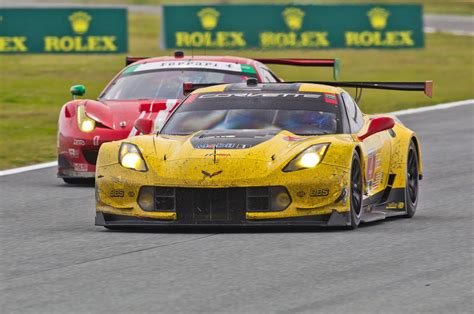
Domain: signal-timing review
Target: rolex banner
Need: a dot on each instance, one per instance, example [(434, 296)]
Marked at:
[(74, 30), (292, 26)]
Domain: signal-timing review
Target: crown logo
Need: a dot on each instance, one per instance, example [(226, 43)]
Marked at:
[(209, 18), (80, 22), (378, 18), (293, 18)]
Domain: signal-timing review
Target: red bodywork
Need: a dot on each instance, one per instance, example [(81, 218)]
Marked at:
[(77, 150)]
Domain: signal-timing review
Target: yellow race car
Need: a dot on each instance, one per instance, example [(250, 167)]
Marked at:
[(263, 154)]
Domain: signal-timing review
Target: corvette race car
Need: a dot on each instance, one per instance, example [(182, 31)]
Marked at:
[(146, 88), (263, 154)]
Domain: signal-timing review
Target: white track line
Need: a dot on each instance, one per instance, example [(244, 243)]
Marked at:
[(396, 113), (28, 168), (433, 108)]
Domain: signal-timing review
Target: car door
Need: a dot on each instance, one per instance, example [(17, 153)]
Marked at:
[(376, 149)]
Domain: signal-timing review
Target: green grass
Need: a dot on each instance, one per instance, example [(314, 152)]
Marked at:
[(34, 87), (464, 7)]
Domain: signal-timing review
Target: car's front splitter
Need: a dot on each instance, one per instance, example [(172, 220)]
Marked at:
[(335, 219)]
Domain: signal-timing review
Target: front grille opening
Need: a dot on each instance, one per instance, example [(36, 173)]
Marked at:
[(91, 156), (213, 204), (165, 199), (257, 204)]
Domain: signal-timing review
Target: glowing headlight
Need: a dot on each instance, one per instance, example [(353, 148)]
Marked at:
[(131, 158), (84, 123), (309, 158)]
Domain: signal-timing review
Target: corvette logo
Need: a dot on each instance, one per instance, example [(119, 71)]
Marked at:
[(210, 175)]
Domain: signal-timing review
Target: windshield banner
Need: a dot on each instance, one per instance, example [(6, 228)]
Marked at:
[(292, 26), (75, 30)]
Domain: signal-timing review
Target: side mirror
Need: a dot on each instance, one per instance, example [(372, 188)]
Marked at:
[(77, 90), (377, 125), (144, 126)]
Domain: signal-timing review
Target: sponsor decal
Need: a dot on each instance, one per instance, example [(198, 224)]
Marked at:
[(13, 44), (394, 205), (78, 142), (374, 175), (319, 192), (217, 155), (80, 167), (222, 146), (301, 193), (116, 193), (190, 64), (80, 22), (293, 138), (209, 19), (377, 179), (246, 69), (95, 140), (330, 99), (293, 19), (263, 95), (370, 166), (210, 175), (378, 18), (63, 30), (294, 26), (74, 153)]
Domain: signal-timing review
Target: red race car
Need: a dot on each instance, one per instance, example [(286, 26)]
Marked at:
[(146, 88)]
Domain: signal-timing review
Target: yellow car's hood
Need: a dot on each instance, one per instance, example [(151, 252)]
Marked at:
[(208, 158)]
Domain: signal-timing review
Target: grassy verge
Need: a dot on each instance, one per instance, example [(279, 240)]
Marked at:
[(34, 87), (464, 7)]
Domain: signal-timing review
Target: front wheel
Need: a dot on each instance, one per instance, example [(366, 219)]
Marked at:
[(411, 185), (356, 191)]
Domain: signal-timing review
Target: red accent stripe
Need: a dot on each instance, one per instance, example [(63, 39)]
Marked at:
[(298, 62)]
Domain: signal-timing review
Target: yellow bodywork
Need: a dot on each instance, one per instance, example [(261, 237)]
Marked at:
[(173, 162)]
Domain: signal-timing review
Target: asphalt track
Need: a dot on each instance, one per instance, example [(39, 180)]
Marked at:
[(54, 260)]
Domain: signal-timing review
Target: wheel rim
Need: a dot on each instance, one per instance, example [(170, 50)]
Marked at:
[(356, 188), (412, 177)]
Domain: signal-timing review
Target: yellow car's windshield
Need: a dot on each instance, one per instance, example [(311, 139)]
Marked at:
[(303, 114)]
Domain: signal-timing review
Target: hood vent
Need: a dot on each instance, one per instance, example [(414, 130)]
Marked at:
[(231, 139)]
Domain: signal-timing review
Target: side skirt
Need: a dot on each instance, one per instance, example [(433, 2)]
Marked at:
[(387, 203)]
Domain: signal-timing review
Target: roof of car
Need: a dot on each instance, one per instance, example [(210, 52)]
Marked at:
[(271, 87), (229, 59)]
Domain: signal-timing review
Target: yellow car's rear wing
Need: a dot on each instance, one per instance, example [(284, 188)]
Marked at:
[(426, 87)]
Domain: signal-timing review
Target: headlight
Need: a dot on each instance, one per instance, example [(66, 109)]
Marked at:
[(309, 158), (131, 158), (84, 123)]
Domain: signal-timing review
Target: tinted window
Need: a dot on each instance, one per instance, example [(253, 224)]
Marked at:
[(166, 84), (300, 113), (267, 76), (353, 112)]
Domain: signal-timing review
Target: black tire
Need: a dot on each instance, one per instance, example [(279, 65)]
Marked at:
[(355, 191), (88, 181), (412, 180)]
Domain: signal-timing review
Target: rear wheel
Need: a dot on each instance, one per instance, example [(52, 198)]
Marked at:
[(355, 191), (412, 177), (88, 181)]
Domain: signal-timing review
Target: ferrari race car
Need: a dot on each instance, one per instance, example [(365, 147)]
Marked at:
[(146, 88), (263, 154)]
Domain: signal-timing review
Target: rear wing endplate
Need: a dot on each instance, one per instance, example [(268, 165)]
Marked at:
[(130, 60)]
